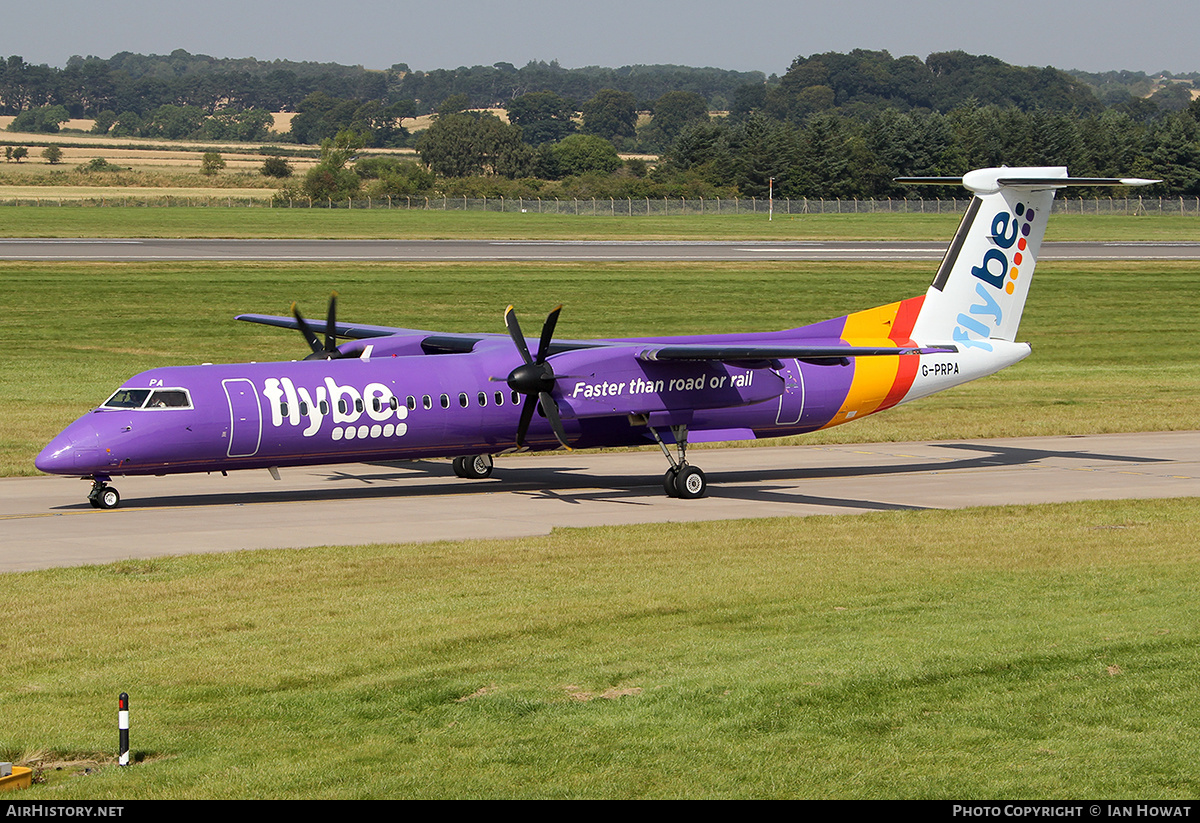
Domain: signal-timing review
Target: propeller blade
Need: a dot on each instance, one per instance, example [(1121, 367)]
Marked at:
[(309, 336), (551, 410), (514, 331), (331, 327), (526, 417), (548, 333)]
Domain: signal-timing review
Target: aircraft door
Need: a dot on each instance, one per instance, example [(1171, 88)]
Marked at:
[(245, 417), (791, 402)]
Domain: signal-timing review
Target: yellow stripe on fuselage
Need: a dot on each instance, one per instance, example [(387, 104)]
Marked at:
[(873, 376)]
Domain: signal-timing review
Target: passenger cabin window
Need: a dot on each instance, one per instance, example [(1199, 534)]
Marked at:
[(445, 401), (483, 398), (462, 400)]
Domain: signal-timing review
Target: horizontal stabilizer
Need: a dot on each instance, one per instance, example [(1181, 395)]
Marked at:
[(990, 181)]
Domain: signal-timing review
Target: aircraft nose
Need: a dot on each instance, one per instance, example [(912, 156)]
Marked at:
[(75, 450)]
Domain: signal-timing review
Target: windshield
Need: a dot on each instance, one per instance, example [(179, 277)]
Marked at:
[(158, 399), (127, 399)]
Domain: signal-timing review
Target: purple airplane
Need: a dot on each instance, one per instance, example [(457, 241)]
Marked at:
[(394, 394)]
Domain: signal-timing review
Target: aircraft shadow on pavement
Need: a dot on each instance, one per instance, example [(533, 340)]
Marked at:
[(570, 484)]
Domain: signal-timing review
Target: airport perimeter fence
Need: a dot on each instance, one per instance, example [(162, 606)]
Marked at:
[(628, 207)]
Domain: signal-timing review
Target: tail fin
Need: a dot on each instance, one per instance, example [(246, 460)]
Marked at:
[(980, 288)]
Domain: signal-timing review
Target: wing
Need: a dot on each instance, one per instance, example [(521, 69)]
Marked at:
[(752, 353), (431, 342)]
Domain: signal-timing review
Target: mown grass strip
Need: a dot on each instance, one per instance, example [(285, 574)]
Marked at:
[(382, 223), (1017, 652)]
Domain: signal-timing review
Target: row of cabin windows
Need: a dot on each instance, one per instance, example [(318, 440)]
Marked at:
[(464, 400), (393, 403)]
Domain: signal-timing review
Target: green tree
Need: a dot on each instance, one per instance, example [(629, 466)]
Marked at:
[(464, 145), (454, 104), (583, 153), (19, 153), (41, 119), (276, 167), (211, 163), (53, 154), (544, 117), (104, 121), (330, 180), (611, 114), (674, 112)]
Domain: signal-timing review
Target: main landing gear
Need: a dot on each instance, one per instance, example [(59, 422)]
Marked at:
[(473, 467), (682, 480), (102, 495)]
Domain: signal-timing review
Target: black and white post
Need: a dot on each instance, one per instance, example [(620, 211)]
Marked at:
[(123, 726)]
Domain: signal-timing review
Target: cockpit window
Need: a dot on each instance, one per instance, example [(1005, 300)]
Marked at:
[(149, 399), (169, 399), (127, 399)]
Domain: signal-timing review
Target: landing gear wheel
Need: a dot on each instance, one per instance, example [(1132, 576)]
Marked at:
[(473, 467), (669, 480), (690, 484), (104, 497), (479, 466)]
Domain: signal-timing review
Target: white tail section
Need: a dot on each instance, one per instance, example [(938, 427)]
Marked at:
[(981, 286), (980, 289)]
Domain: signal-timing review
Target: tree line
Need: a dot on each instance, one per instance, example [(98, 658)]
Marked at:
[(141, 83), (834, 125)]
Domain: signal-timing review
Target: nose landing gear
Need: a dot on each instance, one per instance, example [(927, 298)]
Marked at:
[(102, 495)]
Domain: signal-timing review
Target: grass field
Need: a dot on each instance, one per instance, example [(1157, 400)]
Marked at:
[(1013, 652), (1115, 344), (1017, 652), (381, 223)]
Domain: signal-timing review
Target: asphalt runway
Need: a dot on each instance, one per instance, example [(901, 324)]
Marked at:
[(46, 521), (133, 250)]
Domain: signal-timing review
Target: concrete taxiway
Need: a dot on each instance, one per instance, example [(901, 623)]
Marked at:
[(46, 521)]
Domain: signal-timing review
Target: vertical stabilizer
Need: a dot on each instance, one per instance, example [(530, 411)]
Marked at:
[(980, 289)]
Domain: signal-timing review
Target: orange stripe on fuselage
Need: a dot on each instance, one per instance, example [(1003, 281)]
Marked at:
[(879, 382)]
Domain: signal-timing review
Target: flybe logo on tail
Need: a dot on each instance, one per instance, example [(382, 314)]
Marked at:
[(1000, 269)]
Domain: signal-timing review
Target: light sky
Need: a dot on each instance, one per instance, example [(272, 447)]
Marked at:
[(763, 35)]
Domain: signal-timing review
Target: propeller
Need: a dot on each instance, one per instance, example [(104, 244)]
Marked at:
[(535, 377), (328, 351)]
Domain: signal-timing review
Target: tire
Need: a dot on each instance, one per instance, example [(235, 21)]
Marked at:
[(479, 466), (669, 480), (691, 483), (108, 498), (460, 467)]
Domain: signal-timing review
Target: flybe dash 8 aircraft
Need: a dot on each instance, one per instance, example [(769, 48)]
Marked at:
[(397, 394)]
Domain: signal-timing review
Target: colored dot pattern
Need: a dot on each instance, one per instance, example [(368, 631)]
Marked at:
[(1027, 216)]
